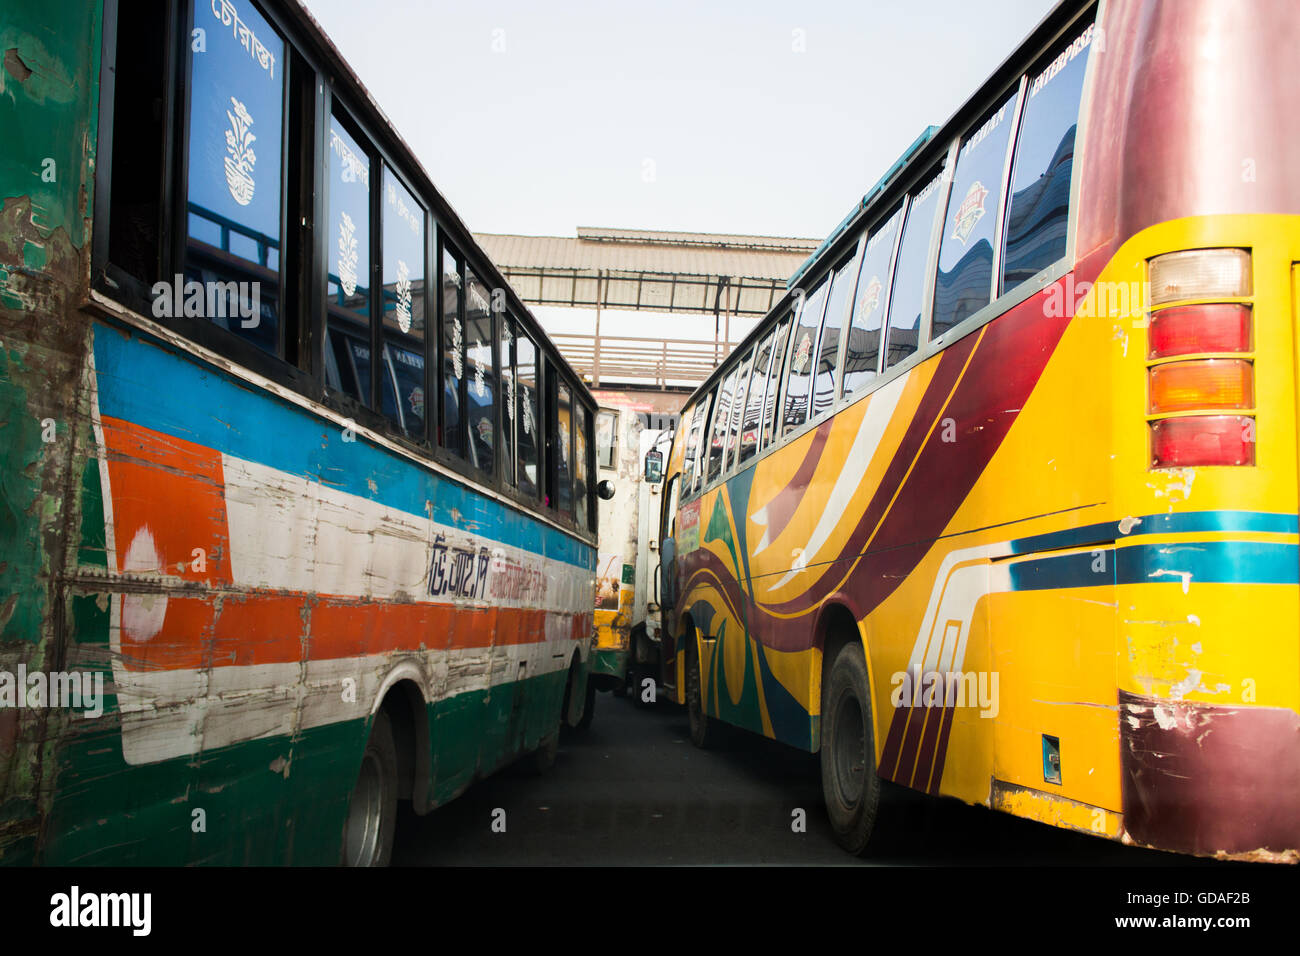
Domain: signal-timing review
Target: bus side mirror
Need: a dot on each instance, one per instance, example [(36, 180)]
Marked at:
[(605, 490), (654, 466)]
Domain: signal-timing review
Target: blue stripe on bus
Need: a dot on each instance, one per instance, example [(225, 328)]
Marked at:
[(1201, 562), (157, 389), (1192, 522)]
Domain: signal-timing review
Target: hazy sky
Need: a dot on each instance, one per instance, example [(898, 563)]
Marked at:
[(754, 117)]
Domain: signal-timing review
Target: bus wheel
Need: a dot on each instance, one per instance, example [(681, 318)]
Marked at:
[(589, 708), (850, 785), (641, 672), (704, 730), (543, 758), (372, 809)]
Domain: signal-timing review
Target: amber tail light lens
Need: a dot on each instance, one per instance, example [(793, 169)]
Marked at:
[(1207, 384)]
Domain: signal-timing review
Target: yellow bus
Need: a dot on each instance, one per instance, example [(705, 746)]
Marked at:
[(1000, 502)]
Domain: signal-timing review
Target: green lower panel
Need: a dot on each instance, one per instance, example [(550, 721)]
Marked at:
[(272, 801), (612, 662)]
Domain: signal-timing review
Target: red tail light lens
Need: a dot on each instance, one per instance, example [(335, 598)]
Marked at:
[(1217, 327), (1203, 440)]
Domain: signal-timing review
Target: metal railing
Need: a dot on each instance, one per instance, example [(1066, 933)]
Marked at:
[(645, 360)]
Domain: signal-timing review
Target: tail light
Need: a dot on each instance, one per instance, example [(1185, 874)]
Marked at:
[(1200, 274), (1184, 329), (1201, 385), (1203, 440)]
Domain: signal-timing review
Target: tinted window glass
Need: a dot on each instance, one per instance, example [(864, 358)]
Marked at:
[(606, 437), (349, 263), (737, 409), (509, 420), (837, 307), (564, 450), (527, 412), (752, 423), (691, 470), (965, 279), (403, 297), (721, 419), (908, 292), (236, 100), (799, 376), (1040, 180), (862, 357), (774, 382), (480, 412), (453, 350), (580, 446)]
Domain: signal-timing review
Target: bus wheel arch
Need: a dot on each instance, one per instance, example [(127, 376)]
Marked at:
[(705, 730), (838, 627)]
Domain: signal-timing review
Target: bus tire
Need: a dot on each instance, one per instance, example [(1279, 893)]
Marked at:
[(641, 672), (543, 758), (704, 729), (372, 807), (588, 708), (850, 785)]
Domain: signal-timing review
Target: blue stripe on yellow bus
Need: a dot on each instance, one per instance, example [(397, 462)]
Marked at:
[(153, 387), (1201, 562), (1193, 522)]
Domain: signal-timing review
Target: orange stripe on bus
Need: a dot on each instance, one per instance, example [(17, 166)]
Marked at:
[(256, 628)]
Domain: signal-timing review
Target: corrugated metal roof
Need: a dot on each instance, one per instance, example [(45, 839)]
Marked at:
[(639, 250)]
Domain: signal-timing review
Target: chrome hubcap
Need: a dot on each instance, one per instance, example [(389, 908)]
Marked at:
[(365, 814)]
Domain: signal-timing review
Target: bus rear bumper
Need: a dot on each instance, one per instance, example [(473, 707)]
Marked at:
[(1209, 779)]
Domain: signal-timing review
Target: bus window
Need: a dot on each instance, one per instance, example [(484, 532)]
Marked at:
[(965, 278), (453, 350), (606, 437), (233, 224), (480, 412), (564, 451), (1039, 208), (799, 375), (737, 410), (908, 291), (721, 419), (509, 421), (349, 264), (690, 465), (862, 357), (751, 423), (774, 382), (581, 497), (837, 302), (403, 308), (527, 414)]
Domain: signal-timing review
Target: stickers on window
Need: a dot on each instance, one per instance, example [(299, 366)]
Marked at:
[(229, 16), (871, 297), (802, 354), (347, 254), (969, 212), (403, 290), (240, 156), (1069, 53)]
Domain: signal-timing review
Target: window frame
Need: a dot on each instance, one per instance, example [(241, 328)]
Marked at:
[(942, 150), (317, 85)]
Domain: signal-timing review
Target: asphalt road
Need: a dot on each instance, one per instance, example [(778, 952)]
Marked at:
[(633, 790)]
